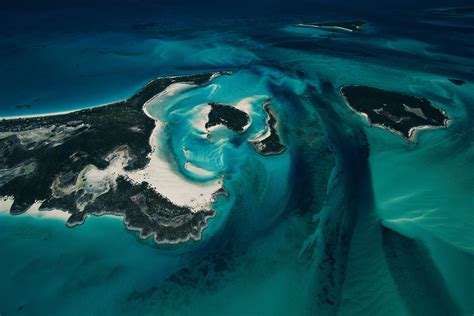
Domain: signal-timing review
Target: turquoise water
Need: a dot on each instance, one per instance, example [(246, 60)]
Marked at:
[(350, 220), (90, 263)]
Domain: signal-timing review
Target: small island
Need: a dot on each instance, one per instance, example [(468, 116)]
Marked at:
[(399, 113), (347, 26), (269, 142), (228, 116), (457, 82), (88, 162)]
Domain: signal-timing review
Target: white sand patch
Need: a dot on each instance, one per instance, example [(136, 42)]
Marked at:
[(165, 180), (161, 175), (201, 117), (161, 100), (56, 214), (36, 115), (92, 181), (33, 211), (197, 170), (220, 129), (327, 27), (262, 135), (247, 105), (6, 203)]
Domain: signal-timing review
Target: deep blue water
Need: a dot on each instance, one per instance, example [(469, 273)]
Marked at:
[(302, 233)]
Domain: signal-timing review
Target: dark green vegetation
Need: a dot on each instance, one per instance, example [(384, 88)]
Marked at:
[(227, 115), (397, 112), (42, 158), (349, 26), (149, 212), (271, 145), (458, 82)]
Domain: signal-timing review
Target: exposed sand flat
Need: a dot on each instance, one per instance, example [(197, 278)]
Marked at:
[(161, 175), (33, 211), (50, 213), (5, 203), (159, 100), (262, 135), (327, 27), (197, 170), (247, 105), (93, 182), (164, 179), (200, 120)]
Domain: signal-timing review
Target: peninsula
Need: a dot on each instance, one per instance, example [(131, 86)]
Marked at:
[(94, 162)]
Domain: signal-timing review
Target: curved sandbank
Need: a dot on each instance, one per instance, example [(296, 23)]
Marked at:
[(347, 26)]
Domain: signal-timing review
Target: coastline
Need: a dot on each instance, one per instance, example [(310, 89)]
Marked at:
[(412, 133), (269, 134), (324, 27), (157, 173), (177, 187), (28, 116)]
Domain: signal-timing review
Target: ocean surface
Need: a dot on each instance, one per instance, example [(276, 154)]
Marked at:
[(349, 220)]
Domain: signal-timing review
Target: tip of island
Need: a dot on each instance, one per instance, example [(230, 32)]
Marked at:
[(347, 26)]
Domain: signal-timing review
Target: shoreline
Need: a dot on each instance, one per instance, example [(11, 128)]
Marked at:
[(163, 169), (325, 27), (158, 173), (28, 116), (412, 133), (62, 216)]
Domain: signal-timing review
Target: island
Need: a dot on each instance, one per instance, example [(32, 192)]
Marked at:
[(457, 82), (94, 162), (399, 113), (228, 116), (347, 26), (269, 142)]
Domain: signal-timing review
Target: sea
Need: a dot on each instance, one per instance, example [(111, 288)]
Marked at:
[(349, 220)]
